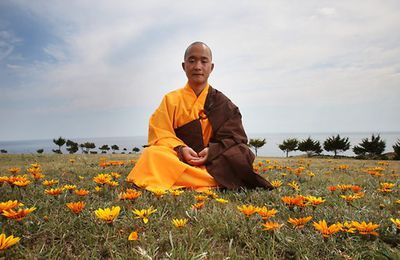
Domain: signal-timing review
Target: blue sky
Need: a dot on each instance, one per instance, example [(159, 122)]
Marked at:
[(100, 68)]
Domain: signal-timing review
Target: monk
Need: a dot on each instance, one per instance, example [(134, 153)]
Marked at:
[(196, 138)]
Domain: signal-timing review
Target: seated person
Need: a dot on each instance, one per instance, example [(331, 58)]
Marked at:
[(196, 138)]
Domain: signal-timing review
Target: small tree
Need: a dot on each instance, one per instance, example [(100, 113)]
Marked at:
[(289, 145), (72, 147), (40, 151), (396, 148), (82, 146), (336, 144), (89, 146), (3, 151), (60, 142), (104, 148), (257, 143), (310, 146), (135, 149), (375, 147), (114, 147)]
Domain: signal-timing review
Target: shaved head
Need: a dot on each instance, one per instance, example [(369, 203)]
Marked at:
[(194, 44)]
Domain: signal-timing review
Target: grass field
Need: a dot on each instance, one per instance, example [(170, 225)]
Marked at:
[(349, 191)]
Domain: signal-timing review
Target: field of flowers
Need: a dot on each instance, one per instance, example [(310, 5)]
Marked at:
[(80, 206)]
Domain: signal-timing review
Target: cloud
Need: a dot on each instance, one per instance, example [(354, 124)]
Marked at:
[(126, 55)]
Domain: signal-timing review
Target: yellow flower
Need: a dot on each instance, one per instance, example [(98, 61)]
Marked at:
[(22, 183), (144, 213), (112, 183), (176, 193), (395, 221), (54, 192), (6, 242), (211, 194), (97, 189), (266, 213), (326, 230), (271, 226), (81, 177), (37, 175), (159, 192), (386, 187), (71, 160), (9, 205), (294, 185), (35, 165), (70, 187), (276, 183), (81, 192), (199, 205), (179, 223), (14, 170), (200, 198), (365, 228), (348, 227), (133, 236), (76, 207), (108, 215), (314, 200), (102, 178), (299, 222), (247, 210), (19, 214), (220, 200), (50, 182), (116, 175)]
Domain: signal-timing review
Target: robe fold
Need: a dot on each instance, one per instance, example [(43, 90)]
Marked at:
[(209, 120)]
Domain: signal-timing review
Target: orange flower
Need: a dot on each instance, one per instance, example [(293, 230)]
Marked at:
[(266, 213), (247, 210), (76, 207), (116, 175), (356, 188), (365, 228), (332, 188), (130, 194), (299, 223), (17, 215), (298, 201), (14, 170), (271, 226), (133, 236), (344, 187), (54, 192), (326, 230), (199, 205), (37, 176), (82, 192), (348, 228), (386, 187), (9, 205)]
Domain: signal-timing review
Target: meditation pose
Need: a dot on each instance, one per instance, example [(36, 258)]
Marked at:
[(196, 138)]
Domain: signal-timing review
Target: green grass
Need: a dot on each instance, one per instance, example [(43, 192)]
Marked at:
[(218, 231)]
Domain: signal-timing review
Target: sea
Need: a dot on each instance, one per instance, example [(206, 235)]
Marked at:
[(270, 149)]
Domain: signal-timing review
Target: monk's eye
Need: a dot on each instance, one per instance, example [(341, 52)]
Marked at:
[(191, 60)]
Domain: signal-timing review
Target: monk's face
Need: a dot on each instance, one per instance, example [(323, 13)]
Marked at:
[(198, 65)]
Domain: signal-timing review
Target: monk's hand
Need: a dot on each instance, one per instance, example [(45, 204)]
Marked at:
[(201, 159), (189, 154)]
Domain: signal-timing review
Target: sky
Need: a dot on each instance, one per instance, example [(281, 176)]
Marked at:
[(100, 68)]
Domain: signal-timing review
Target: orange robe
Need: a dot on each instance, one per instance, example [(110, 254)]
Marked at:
[(159, 166)]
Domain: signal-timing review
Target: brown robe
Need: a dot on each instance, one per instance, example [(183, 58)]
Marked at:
[(230, 160)]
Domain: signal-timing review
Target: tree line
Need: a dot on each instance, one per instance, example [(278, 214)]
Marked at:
[(86, 148), (366, 149)]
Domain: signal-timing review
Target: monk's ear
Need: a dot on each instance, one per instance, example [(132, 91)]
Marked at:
[(183, 66), (212, 67)]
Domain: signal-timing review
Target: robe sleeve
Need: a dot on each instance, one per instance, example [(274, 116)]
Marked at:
[(230, 133), (161, 131)]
